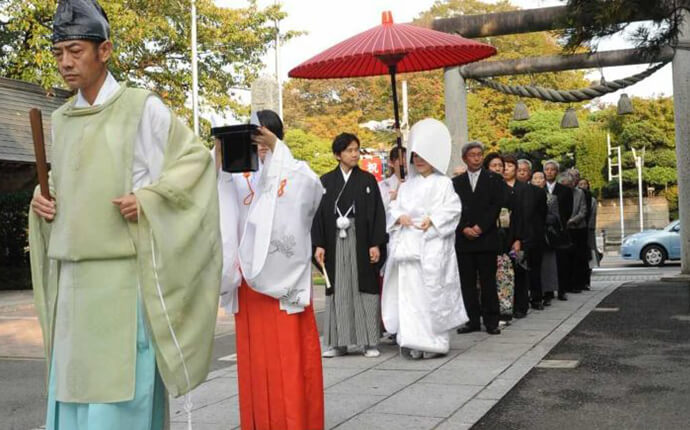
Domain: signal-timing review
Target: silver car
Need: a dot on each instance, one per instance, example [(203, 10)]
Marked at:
[(653, 247)]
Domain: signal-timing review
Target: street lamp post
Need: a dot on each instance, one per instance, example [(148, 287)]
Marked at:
[(639, 161), (280, 87), (620, 180)]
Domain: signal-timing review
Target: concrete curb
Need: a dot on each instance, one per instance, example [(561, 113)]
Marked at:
[(677, 278), (470, 413)]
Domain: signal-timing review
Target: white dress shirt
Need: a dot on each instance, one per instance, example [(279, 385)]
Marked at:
[(474, 177), (550, 186)]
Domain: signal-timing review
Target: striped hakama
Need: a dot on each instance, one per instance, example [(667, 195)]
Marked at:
[(549, 272), (352, 317)]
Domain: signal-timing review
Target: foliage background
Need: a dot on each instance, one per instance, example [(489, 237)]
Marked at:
[(152, 46), (322, 109)]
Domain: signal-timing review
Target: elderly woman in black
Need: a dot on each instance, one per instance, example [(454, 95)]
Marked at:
[(549, 269)]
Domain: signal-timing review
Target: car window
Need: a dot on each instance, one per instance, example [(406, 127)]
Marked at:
[(673, 226)]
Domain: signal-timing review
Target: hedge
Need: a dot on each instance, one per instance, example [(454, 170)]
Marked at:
[(14, 209)]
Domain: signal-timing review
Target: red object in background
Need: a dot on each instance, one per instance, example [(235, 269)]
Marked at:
[(389, 49), (373, 165), (408, 47)]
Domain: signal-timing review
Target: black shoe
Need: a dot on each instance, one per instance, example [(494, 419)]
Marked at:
[(519, 315), (494, 330), (505, 317), (537, 306), (575, 291), (562, 297), (547, 302), (467, 329), (586, 288), (548, 295)]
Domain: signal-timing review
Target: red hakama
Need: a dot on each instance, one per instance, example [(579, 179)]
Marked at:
[(278, 364)]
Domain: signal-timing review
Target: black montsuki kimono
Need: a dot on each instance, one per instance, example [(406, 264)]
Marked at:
[(370, 223)]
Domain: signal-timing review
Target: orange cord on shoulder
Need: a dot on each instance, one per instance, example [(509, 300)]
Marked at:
[(281, 189), (250, 197)]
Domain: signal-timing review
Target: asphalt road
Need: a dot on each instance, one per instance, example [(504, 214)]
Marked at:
[(22, 398), (22, 383), (632, 372), (614, 268)]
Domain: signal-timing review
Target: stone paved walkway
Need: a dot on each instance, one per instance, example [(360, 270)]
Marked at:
[(389, 392)]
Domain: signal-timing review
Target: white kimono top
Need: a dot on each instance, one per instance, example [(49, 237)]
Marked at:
[(270, 248)]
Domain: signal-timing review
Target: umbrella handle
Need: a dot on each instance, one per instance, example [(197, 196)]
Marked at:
[(392, 69)]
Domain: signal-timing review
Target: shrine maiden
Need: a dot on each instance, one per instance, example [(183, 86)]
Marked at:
[(265, 222)]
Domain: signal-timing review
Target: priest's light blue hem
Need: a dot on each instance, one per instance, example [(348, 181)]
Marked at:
[(145, 412)]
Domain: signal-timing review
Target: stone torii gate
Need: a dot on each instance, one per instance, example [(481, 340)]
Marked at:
[(550, 18)]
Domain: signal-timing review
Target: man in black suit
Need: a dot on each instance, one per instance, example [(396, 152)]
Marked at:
[(565, 210), (533, 222), (477, 241)]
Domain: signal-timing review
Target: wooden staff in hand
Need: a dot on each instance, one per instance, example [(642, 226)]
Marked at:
[(42, 204)]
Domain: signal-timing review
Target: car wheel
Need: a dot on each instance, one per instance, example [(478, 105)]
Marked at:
[(653, 255)]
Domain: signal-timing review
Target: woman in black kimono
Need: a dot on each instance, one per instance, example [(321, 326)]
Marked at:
[(505, 274)]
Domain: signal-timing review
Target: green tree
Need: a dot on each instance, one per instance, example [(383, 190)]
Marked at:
[(326, 108), (590, 155), (589, 21), (671, 194), (651, 126), (312, 149), (152, 46), (541, 137)]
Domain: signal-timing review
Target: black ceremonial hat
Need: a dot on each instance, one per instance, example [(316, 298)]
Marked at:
[(80, 20)]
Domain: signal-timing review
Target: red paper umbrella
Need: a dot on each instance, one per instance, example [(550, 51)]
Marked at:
[(390, 49)]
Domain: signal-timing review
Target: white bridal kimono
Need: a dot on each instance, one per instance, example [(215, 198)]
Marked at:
[(422, 299)]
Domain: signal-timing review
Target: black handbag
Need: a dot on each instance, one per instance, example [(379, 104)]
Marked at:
[(557, 238)]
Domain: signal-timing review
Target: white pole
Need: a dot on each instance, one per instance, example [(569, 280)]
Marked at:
[(638, 164), (639, 191), (280, 87), (620, 191), (608, 152), (195, 73)]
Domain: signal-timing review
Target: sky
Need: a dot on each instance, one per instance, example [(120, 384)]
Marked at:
[(331, 21)]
